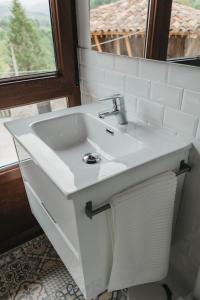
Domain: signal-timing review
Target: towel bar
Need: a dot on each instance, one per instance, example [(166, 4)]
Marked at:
[(90, 212)]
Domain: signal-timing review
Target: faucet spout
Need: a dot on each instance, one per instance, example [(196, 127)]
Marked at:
[(103, 115)]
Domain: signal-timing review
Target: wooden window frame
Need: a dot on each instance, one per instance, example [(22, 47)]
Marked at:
[(192, 61), (157, 34), (31, 89), (62, 83)]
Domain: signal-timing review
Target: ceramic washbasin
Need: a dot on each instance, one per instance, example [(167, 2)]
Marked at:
[(74, 135), (58, 141)]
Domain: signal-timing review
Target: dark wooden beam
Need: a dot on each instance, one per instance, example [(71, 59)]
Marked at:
[(158, 24)]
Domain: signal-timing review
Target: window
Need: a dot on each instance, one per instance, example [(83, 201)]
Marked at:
[(184, 34), (37, 62), (8, 155), (38, 65), (26, 38), (151, 29), (119, 26), (37, 52)]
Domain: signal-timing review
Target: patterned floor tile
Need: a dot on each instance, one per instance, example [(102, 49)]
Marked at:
[(34, 271)]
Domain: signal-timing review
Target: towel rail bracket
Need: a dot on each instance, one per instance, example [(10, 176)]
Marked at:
[(184, 168), (90, 212)]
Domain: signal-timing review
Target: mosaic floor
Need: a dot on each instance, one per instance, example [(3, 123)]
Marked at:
[(34, 271)]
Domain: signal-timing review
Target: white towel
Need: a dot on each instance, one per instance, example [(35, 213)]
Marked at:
[(142, 224)]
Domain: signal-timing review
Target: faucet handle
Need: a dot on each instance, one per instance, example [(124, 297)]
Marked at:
[(114, 99), (115, 105)]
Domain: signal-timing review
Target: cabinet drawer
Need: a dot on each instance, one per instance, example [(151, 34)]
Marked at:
[(64, 248), (61, 209)]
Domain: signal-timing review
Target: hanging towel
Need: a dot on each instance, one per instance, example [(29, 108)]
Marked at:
[(141, 221)]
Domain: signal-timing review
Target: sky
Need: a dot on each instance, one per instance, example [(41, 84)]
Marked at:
[(27, 3), (32, 2), (39, 6)]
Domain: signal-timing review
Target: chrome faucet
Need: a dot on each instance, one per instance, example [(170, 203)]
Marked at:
[(118, 109)]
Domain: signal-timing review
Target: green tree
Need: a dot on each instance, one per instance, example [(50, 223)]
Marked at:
[(95, 3), (24, 39), (4, 59), (192, 3)]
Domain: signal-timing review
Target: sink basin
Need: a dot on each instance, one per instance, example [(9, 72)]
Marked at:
[(59, 183), (80, 133), (72, 136)]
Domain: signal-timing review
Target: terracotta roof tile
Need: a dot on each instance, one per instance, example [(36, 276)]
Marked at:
[(130, 15)]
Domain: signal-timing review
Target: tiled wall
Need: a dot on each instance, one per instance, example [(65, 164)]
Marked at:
[(166, 95)]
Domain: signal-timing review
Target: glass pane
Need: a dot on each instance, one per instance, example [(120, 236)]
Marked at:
[(184, 36), (118, 26), (7, 150), (26, 42)]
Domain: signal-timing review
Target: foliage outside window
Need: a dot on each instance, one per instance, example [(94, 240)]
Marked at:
[(26, 42), (38, 60)]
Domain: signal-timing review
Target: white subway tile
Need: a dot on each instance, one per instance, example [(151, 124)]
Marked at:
[(96, 90), (126, 65), (153, 70), (92, 74), (184, 76), (114, 80), (198, 132), (88, 58), (166, 94), (106, 60), (137, 87), (180, 122), (89, 88), (150, 111), (85, 98), (191, 103), (81, 85), (130, 104), (94, 59)]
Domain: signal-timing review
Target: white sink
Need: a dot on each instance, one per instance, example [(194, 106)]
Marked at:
[(74, 135), (59, 183)]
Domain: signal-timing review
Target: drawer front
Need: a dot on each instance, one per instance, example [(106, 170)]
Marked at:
[(61, 209), (63, 246)]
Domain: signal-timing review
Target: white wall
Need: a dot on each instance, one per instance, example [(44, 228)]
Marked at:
[(167, 95)]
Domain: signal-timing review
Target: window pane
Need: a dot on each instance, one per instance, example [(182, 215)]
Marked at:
[(7, 150), (26, 42), (118, 26), (184, 36)]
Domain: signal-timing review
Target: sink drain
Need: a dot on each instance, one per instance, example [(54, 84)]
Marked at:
[(91, 158)]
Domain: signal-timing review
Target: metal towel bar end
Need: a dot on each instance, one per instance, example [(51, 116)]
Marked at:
[(90, 212)]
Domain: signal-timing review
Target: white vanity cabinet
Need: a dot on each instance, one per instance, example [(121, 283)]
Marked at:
[(59, 183), (84, 245)]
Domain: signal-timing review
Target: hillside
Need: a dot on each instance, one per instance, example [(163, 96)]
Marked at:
[(41, 35), (36, 10)]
